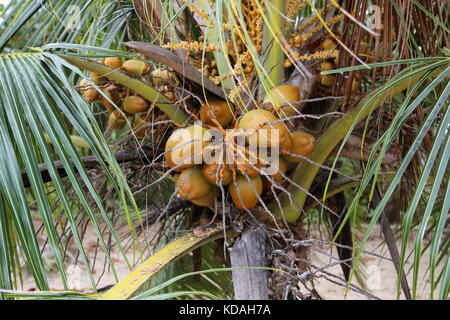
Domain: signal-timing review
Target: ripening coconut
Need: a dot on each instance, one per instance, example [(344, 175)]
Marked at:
[(184, 147), (247, 169), (218, 110), (136, 67), (336, 61), (192, 185), (278, 176), (247, 164), (111, 93), (326, 66), (283, 95), (262, 119), (89, 94), (218, 174), (83, 84), (134, 104), (159, 76), (206, 201), (286, 144), (116, 120), (302, 144), (245, 191), (113, 62), (328, 44), (327, 80)]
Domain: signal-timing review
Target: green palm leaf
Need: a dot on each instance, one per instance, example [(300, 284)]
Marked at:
[(30, 23), (39, 109)]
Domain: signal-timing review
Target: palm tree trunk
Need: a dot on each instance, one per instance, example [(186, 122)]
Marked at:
[(249, 250)]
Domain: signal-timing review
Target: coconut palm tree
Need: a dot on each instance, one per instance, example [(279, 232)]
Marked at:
[(358, 88)]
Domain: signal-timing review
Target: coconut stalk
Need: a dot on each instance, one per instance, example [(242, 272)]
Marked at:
[(306, 172), (249, 251), (175, 114), (89, 162), (272, 33)]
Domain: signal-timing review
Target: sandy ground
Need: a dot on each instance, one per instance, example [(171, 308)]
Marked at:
[(381, 276), (380, 273)]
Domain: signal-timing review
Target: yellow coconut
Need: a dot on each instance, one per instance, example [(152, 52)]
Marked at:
[(192, 185), (302, 144), (326, 66), (283, 95), (83, 84), (263, 130), (328, 44), (245, 191), (247, 163), (218, 174), (277, 176), (184, 147), (113, 62), (206, 201), (328, 80), (336, 61), (286, 144), (218, 110), (159, 76), (89, 94), (116, 121), (134, 104), (136, 67), (247, 169), (111, 93)]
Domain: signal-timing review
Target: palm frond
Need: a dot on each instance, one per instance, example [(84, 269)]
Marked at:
[(440, 137), (92, 22), (39, 110), (238, 50)]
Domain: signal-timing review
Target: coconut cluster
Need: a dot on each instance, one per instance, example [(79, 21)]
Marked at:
[(131, 105), (235, 167), (329, 80)]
